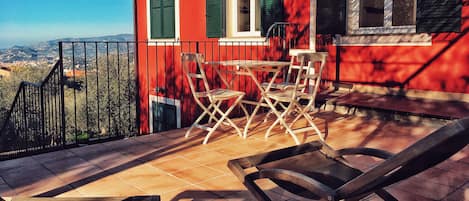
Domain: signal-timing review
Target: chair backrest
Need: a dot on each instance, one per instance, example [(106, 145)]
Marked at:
[(192, 66), (310, 75), (425, 153), (313, 75)]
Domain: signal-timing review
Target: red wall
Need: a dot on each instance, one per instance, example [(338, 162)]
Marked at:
[(443, 66)]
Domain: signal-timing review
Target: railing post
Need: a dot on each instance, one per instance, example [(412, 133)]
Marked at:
[(62, 99), (43, 121), (25, 130), (337, 65), (137, 86)]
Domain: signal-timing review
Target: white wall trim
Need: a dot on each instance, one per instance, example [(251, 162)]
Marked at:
[(248, 41), (312, 24), (168, 101), (353, 21), (384, 40), (177, 27)]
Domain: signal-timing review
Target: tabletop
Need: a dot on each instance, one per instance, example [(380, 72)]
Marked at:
[(250, 63)]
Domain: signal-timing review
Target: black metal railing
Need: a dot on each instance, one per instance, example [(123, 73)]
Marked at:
[(100, 87), (35, 120)]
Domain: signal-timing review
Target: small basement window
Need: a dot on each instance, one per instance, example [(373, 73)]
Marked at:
[(165, 114)]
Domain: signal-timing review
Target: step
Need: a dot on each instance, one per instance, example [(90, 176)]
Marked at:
[(394, 105)]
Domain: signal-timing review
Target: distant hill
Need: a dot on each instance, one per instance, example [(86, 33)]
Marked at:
[(48, 51)]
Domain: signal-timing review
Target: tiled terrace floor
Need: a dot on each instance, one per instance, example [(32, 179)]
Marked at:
[(176, 168)]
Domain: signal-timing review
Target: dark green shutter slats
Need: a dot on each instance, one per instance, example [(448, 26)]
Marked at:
[(215, 18), (436, 16), (271, 11), (155, 19), (168, 19), (331, 17), (162, 18)]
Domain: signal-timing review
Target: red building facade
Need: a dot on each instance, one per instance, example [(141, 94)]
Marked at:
[(407, 47)]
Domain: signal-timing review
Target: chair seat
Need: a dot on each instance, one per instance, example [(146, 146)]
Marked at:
[(220, 94), (282, 86), (315, 165)]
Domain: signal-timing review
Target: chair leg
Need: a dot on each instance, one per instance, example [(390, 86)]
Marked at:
[(211, 118), (224, 116), (196, 122), (281, 120), (228, 112), (267, 134)]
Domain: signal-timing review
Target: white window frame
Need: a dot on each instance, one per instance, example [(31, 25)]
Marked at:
[(388, 35), (353, 19), (177, 29), (234, 19), (168, 101)]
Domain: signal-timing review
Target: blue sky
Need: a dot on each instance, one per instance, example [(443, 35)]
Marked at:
[(25, 22)]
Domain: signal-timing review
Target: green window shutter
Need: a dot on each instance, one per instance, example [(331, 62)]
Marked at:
[(271, 11), (436, 16), (162, 18), (155, 19), (215, 18), (330, 16), (168, 19)]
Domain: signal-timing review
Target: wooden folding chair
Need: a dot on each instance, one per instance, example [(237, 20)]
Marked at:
[(214, 97), (289, 77), (290, 97), (316, 171)]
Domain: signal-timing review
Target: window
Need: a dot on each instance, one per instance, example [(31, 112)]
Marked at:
[(245, 18), (165, 114), (381, 17), (371, 13), (403, 12), (163, 19), (387, 22), (231, 19)]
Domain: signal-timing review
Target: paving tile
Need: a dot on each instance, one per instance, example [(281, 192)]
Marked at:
[(225, 150), (456, 167), (64, 164), (108, 186), (174, 165), (40, 186), (444, 177), (70, 194), (197, 174), (221, 183), (90, 150), (151, 138), (109, 160), (460, 194), (17, 163), (157, 185), (79, 175), (189, 193), (54, 156), (205, 157), (26, 176), (220, 165), (6, 191), (408, 194), (424, 188), (462, 156)]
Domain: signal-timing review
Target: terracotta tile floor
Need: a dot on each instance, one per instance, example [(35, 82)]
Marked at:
[(176, 168)]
